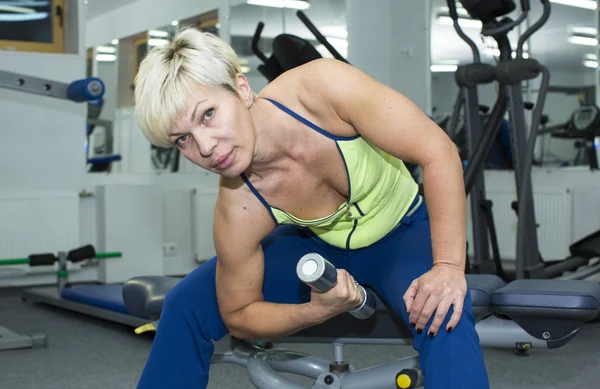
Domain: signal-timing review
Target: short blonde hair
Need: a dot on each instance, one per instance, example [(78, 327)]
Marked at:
[(166, 73)]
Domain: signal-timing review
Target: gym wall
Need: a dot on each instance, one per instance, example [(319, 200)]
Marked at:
[(55, 205)]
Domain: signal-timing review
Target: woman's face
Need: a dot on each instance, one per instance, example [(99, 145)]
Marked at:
[(216, 132)]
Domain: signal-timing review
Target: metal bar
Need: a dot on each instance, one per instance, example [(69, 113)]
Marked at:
[(505, 334), (452, 129), (381, 376), (528, 261), (35, 85), (302, 16), (264, 377), (481, 262)]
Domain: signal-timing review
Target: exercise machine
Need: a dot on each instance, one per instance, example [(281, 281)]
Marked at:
[(584, 124), (520, 315), (509, 73), (78, 91), (290, 51), (11, 340), (99, 154), (100, 301)]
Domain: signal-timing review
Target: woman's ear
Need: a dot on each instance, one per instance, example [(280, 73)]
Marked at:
[(244, 90)]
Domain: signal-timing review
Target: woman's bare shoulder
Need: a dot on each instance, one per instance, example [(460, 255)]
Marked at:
[(302, 90)]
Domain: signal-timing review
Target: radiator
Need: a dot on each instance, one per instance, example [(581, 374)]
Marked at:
[(553, 209), (38, 223)]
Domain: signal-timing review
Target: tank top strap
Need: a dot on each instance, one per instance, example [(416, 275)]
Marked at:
[(259, 196), (309, 123)]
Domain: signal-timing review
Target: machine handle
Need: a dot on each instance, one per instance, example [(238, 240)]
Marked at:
[(255, 40)]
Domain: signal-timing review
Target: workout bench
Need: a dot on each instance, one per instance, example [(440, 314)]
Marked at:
[(519, 315)]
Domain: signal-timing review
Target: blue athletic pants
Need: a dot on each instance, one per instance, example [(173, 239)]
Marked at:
[(190, 322)]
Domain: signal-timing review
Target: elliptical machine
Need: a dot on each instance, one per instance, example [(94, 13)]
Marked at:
[(509, 73)]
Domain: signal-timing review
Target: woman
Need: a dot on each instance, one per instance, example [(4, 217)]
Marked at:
[(314, 163)]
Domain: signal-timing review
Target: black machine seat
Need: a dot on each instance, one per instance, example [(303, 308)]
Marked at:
[(482, 286), (552, 310), (145, 296)]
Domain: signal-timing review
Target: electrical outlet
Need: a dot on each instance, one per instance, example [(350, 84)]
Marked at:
[(169, 249)]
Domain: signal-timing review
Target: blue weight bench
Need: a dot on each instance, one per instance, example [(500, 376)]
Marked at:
[(101, 301), (520, 315), (108, 297)]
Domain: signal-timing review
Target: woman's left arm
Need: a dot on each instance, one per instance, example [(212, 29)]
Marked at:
[(396, 125)]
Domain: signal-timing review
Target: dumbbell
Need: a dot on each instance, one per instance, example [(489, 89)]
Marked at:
[(320, 274)]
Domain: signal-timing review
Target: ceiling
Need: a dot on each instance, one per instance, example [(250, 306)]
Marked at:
[(549, 45)]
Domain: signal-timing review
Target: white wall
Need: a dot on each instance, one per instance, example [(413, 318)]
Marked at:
[(390, 41)]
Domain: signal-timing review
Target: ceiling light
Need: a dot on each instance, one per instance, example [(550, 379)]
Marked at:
[(23, 17), (157, 42), (590, 64), (13, 8), (587, 4), (443, 68), (106, 49), (591, 57), (463, 22), (495, 52), (175, 23), (114, 42), (584, 31), (583, 40), (158, 33), (335, 32), (295, 4), (106, 57), (460, 11)]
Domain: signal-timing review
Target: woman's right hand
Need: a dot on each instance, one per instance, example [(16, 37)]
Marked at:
[(345, 296)]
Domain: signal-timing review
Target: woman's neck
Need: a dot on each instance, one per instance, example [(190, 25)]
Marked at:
[(273, 139)]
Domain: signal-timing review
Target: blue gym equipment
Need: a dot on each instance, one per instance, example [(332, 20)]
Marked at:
[(103, 301)]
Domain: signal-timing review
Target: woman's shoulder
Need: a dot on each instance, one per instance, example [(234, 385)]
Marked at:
[(302, 89), (310, 73), (236, 205)]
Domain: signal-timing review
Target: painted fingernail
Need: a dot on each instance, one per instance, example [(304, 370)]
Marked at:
[(431, 334), (419, 331), (450, 329)]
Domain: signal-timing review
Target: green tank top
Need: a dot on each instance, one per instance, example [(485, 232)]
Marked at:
[(381, 191)]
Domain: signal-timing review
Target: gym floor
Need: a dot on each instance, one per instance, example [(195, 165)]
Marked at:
[(84, 352)]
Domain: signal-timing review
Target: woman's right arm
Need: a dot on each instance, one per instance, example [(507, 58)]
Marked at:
[(241, 222)]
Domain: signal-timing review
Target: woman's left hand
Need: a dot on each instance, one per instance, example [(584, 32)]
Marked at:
[(435, 292)]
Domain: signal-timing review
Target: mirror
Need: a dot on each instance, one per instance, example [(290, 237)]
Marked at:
[(328, 16), (566, 44), (101, 156)]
